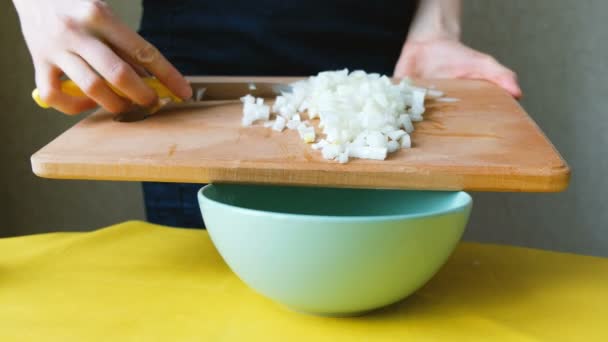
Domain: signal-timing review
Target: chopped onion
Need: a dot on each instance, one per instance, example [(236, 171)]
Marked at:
[(448, 99), (320, 145), (292, 124), (331, 151), (396, 135), (254, 110), (406, 141), (342, 158), (360, 115), (392, 146), (416, 118), (434, 93), (406, 123), (376, 139), (378, 153), (279, 124), (307, 133), (417, 107)]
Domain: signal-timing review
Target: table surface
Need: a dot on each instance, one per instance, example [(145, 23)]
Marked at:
[(136, 281), (483, 142)]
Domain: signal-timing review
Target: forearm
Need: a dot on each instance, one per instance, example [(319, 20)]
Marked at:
[(436, 19)]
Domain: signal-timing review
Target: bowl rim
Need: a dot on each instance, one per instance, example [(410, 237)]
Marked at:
[(466, 203)]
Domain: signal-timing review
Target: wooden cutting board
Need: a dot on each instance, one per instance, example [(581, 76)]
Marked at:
[(484, 142)]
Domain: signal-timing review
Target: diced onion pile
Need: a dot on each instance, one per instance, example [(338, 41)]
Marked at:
[(361, 115)]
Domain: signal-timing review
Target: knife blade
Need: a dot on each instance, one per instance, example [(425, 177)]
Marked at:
[(220, 91), (208, 91)]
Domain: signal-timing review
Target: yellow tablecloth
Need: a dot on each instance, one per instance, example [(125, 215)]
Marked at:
[(140, 282)]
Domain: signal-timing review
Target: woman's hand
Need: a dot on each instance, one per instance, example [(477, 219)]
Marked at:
[(447, 58), (85, 41), (433, 49)]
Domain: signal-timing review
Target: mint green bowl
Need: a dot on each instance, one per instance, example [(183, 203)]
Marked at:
[(335, 252)]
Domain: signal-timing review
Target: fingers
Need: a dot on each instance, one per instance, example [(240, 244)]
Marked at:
[(406, 64), (115, 70), (66, 38), (98, 18), (149, 57), (49, 86), (141, 71), (495, 72), (91, 83), (452, 59), (509, 83), (405, 68)]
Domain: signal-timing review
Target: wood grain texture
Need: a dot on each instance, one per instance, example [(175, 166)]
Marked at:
[(484, 142)]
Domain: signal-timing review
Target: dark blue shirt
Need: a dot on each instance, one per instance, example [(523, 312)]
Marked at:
[(267, 38), (272, 37)]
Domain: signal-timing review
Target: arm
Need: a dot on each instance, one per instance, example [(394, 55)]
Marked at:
[(433, 49), (85, 41)]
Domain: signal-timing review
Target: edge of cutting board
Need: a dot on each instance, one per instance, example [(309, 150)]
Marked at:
[(554, 179)]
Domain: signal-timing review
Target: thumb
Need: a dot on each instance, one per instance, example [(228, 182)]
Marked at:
[(502, 76), (406, 67)]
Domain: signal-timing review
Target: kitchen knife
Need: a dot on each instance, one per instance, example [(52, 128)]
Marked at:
[(202, 91)]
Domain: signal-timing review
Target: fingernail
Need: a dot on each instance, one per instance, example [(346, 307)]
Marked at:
[(185, 91)]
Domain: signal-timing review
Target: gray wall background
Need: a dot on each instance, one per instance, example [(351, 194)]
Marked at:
[(558, 47)]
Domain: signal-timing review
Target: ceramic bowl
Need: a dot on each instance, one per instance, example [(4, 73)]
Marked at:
[(334, 252)]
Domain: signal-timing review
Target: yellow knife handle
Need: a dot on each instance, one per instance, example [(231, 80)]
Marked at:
[(70, 88)]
